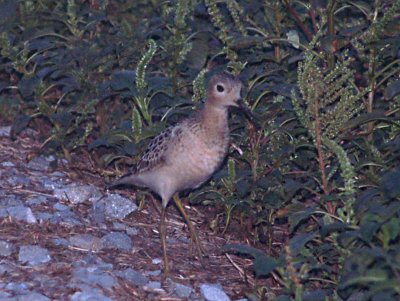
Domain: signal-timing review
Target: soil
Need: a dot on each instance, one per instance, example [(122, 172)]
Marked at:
[(233, 272)]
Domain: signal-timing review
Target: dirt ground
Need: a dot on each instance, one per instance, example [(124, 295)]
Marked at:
[(232, 271)]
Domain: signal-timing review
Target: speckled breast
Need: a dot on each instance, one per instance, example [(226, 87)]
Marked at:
[(200, 159)]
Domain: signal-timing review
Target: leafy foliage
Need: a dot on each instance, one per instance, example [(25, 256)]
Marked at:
[(322, 79)]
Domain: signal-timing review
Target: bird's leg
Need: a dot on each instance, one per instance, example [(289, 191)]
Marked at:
[(164, 242), (167, 272), (193, 233)]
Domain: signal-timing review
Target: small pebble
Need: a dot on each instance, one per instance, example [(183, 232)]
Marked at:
[(118, 207), (22, 213), (89, 295), (132, 276), (78, 194), (5, 131), (34, 255), (117, 240), (6, 248), (86, 242), (213, 292)]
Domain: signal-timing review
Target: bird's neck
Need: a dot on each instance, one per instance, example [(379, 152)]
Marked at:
[(214, 119)]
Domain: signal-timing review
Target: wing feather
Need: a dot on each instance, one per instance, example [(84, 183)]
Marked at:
[(155, 153)]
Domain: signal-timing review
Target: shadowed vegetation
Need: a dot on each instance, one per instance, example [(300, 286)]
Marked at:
[(321, 77)]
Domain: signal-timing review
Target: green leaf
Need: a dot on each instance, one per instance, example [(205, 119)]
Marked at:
[(392, 90), (97, 143), (263, 265), (27, 85), (197, 56), (121, 80), (373, 276), (391, 184), (365, 118), (298, 217), (333, 227), (298, 242), (318, 295), (242, 187), (19, 124)]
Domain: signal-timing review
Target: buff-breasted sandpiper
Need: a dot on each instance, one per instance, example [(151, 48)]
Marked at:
[(186, 155)]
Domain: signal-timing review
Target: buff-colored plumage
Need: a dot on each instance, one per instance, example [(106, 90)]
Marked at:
[(186, 155)]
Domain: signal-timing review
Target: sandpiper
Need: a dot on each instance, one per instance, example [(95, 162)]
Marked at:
[(186, 155)]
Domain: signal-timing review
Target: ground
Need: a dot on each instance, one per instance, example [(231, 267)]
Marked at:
[(60, 278)]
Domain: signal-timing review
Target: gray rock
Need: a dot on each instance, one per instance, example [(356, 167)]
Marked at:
[(8, 164), (18, 180), (97, 214), (41, 163), (57, 174), (153, 285), (6, 268), (44, 216), (119, 226), (33, 297), (6, 248), (86, 242), (36, 200), (94, 276), (18, 288), (213, 292), (117, 240), (156, 261), (70, 222), (153, 273), (89, 295), (182, 291), (10, 201), (61, 242), (5, 296), (50, 184), (78, 194), (34, 255), (95, 261), (5, 131), (132, 231), (128, 230), (22, 213), (132, 276), (3, 212), (118, 207), (60, 207)]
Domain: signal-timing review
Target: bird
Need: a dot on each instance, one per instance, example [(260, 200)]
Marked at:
[(184, 156)]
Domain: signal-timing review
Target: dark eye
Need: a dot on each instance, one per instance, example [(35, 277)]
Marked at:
[(220, 88)]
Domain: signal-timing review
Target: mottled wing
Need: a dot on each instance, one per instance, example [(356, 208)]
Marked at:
[(155, 154)]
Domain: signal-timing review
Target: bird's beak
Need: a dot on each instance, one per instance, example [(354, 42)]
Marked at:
[(240, 103)]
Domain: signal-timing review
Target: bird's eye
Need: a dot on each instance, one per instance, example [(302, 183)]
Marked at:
[(220, 88)]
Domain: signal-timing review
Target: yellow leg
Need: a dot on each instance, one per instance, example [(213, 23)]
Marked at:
[(193, 233), (164, 242)]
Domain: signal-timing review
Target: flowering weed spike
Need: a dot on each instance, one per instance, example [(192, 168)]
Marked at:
[(142, 65)]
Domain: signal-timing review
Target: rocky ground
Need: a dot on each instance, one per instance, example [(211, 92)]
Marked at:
[(63, 236)]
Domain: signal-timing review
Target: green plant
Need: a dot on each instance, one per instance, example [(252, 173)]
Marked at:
[(312, 183)]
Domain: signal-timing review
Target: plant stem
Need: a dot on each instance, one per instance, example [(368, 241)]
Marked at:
[(331, 32), (319, 149), (301, 24)]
